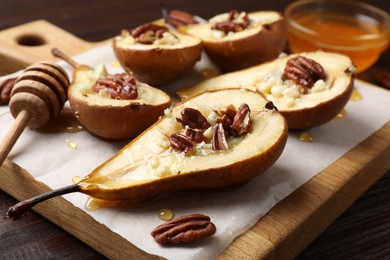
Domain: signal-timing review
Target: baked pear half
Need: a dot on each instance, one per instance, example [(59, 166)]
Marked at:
[(238, 40), (308, 89), (155, 54), (216, 139), (114, 107), (213, 140)]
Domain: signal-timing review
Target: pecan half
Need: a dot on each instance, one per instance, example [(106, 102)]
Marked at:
[(184, 229), (303, 71), (5, 90), (181, 143), (234, 22), (148, 33), (219, 141), (241, 122), (118, 86), (193, 118), (178, 18)]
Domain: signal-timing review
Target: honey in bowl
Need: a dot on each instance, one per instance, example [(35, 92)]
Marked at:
[(353, 28)]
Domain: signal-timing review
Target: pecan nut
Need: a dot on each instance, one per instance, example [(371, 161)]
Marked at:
[(148, 33), (303, 71), (178, 18), (118, 86), (241, 122), (181, 143), (184, 229), (195, 135), (235, 22), (219, 141), (5, 90), (193, 118)]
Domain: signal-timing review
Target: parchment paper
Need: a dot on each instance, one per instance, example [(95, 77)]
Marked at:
[(49, 159)]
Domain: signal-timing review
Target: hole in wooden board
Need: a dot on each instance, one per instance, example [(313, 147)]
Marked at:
[(30, 40)]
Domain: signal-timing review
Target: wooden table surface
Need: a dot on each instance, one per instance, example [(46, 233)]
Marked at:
[(362, 231)]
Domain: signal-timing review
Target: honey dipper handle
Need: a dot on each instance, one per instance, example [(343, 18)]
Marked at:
[(13, 134), (59, 54)]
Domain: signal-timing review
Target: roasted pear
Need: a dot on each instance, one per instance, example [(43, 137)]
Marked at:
[(155, 54), (309, 89), (213, 140), (114, 106), (238, 40)]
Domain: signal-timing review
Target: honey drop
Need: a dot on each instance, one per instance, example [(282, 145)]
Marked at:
[(356, 96), (76, 179), (165, 214), (71, 145), (115, 63), (93, 204), (341, 115), (306, 137), (208, 73)]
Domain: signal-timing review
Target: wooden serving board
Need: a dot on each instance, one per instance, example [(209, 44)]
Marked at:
[(282, 233)]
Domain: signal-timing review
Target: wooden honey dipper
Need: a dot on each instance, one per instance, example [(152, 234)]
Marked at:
[(38, 95)]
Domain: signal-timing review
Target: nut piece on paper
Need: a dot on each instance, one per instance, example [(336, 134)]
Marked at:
[(184, 229)]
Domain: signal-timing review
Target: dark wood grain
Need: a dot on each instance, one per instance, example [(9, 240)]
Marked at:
[(362, 232)]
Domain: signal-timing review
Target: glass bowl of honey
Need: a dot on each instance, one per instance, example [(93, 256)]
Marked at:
[(356, 29)]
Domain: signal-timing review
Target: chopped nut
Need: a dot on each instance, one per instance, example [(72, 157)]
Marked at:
[(181, 143), (193, 118), (241, 122), (235, 22), (148, 33), (118, 86), (195, 135), (219, 141)]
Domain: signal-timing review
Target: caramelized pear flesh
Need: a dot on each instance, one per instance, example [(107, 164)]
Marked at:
[(149, 167), (113, 118), (301, 109)]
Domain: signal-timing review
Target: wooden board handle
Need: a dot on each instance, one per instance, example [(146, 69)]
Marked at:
[(28, 43)]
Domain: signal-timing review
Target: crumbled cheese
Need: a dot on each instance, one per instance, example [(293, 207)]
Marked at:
[(103, 94), (127, 40), (217, 34), (287, 90), (208, 133), (167, 112), (212, 117), (167, 39), (318, 86)]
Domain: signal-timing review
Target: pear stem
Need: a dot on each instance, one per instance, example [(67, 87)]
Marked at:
[(59, 54), (19, 210)]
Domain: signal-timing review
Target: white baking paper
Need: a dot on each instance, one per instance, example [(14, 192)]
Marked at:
[(50, 160)]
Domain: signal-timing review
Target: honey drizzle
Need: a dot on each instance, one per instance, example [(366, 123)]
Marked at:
[(341, 115), (208, 73), (356, 96), (306, 137), (65, 122), (93, 204)]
